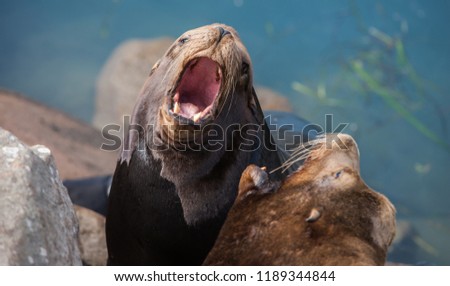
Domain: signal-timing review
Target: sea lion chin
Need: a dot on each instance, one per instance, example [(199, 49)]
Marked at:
[(195, 127), (323, 214)]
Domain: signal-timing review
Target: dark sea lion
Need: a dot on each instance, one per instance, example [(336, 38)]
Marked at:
[(323, 214), (196, 125)]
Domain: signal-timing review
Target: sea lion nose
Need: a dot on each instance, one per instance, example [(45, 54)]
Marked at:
[(222, 33)]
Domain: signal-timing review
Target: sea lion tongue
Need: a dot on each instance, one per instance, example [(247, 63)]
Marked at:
[(198, 88)]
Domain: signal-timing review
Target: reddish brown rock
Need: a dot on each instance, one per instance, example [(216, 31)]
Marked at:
[(272, 100), (92, 237), (75, 145)]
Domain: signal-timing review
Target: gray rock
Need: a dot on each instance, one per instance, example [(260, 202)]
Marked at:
[(38, 225), (125, 72), (122, 77), (92, 237)]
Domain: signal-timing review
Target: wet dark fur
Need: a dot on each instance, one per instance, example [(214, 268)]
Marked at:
[(167, 207)]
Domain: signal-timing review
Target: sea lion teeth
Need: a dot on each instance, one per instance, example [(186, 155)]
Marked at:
[(176, 107), (218, 74), (176, 97), (314, 215), (196, 117)]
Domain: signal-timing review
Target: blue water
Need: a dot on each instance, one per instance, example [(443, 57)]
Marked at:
[(52, 51)]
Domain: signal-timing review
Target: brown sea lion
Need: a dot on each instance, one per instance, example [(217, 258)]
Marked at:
[(196, 125), (323, 214)]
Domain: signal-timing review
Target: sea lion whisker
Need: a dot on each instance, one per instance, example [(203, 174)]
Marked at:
[(224, 100), (301, 153), (304, 146), (282, 167), (231, 101), (307, 147), (288, 163), (227, 89)]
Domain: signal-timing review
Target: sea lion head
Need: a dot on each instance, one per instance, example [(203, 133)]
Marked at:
[(202, 75), (195, 99), (328, 159), (332, 165), (322, 214)]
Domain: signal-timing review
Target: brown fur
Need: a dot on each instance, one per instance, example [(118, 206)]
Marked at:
[(355, 226)]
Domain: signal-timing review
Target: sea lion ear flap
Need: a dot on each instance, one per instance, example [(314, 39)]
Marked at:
[(255, 107), (255, 180)]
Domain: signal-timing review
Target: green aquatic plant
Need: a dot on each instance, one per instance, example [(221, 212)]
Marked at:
[(422, 169), (403, 65), (380, 67), (426, 246), (269, 29), (389, 97), (382, 37), (320, 93)]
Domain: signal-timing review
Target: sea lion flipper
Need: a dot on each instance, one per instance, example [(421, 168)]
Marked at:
[(255, 180)]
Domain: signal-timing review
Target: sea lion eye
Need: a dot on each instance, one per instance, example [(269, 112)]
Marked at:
[(183, 40), (245, 67)]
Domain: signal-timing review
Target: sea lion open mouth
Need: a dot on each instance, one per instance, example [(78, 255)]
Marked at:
[(198, 88)]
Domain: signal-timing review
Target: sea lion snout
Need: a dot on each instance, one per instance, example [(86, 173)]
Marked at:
[(222, 32), (204, 68)]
